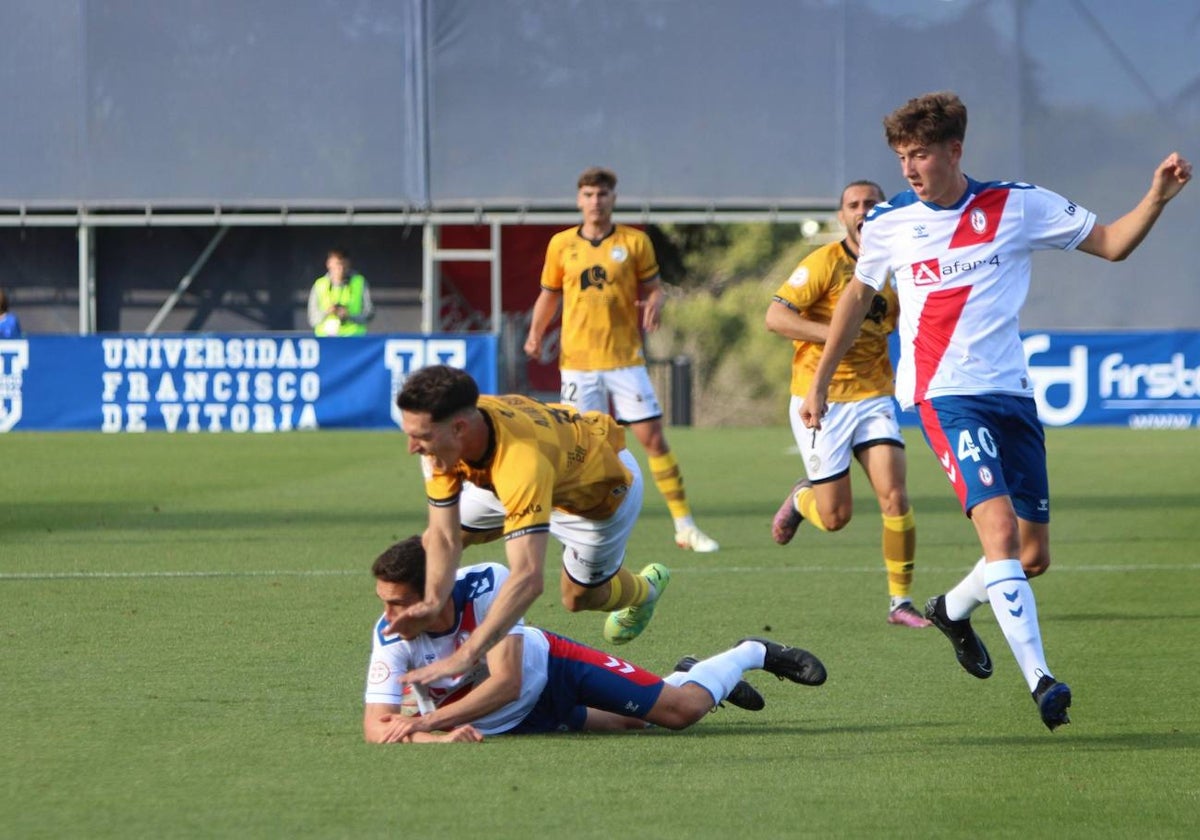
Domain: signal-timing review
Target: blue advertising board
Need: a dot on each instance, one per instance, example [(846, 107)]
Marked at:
[(215, 383), (268, 383), (1144, 380)]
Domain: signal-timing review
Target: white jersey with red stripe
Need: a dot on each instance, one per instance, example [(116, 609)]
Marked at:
[(962, 274), (475, 589)]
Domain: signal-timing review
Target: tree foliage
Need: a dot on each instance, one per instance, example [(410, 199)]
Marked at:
[(715, 315)]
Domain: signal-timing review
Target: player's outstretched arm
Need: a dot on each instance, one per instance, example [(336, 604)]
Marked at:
[(381, 719), (526, 560), (502, 687), (442, 541), (377, 721), (1117, 240)]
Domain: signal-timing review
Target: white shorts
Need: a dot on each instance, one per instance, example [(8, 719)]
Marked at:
[(593, 550), (629, 389), (845, 428)]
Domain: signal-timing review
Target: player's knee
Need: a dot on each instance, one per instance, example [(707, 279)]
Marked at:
[(894, 503), (680, 715), (837, 518), (1035, 564), (574, 602)]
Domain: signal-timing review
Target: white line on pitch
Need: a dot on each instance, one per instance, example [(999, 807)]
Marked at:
[(1119, 569), (198, 574)]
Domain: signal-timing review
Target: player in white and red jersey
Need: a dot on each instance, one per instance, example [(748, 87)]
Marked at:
[(959, 250), (533, 680)]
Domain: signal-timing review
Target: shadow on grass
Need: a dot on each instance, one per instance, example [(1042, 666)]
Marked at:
[(710, 728), (1110, 617), (104, 516), (1123, 742)]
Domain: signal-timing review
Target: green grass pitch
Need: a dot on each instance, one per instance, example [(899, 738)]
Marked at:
[(184, 629)]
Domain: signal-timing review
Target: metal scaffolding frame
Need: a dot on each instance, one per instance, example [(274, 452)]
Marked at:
[(87, 219)]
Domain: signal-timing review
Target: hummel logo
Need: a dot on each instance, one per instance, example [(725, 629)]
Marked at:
[(948, 466), (613, 662), (1011, 596), (1017, 612), (919, 232)]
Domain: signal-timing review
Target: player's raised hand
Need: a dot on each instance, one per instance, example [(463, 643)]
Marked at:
[(1171, 176)]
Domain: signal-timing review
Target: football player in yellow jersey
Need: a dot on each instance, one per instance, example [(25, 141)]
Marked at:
[(512, 467), (605, 276), (862, 417)]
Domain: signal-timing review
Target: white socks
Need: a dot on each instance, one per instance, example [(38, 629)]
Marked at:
[(1012, 602), (968, 594), (719, 674)]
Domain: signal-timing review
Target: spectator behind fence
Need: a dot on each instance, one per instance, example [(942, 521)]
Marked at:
[(340, 301), (10, 326)]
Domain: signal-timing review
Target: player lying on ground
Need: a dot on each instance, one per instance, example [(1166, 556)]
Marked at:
[(533, 680)]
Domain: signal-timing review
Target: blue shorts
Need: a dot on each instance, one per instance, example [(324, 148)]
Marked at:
[(990, 445), (579, 677)]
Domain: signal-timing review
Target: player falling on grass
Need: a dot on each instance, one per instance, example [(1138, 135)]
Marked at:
[(533, 680), (605, 276), (959, 250), (862, 415), (512, 467)]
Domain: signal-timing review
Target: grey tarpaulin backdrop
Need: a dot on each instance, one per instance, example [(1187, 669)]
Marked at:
[(423, 105)]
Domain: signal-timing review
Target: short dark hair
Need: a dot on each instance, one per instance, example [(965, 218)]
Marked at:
[(340, 253), (863, 183), (927, 119), (3, 302), (402, 562), (597, 176), (439, 391)]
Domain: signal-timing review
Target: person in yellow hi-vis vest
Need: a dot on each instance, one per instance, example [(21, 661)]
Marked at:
[(340, 300)]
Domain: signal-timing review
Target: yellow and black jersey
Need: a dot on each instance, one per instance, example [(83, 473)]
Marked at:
[(541, 456), (813, 290), (600, 283)]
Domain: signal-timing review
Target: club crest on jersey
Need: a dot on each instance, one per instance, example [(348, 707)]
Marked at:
[(799, 277), (618, 253), (979, 220), (927, 272)]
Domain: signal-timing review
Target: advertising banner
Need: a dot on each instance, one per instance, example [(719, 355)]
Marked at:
[(216, 383), (1147, 380), (269, 383), (1143, 380)]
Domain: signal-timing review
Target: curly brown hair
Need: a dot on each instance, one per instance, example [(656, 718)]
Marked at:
[(927, 119)]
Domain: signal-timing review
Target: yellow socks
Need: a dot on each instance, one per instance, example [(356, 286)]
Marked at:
[(664, 469), (806, 502), (627, 590), (899, 548)]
